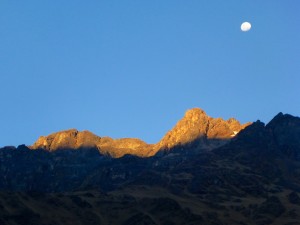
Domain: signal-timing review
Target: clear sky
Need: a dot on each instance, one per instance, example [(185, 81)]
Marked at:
[(132, 68)]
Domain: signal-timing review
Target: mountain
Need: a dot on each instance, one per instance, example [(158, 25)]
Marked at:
[(203, 171), (195, 125)]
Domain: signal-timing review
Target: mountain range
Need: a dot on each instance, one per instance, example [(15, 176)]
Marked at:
[(203, 171), (195, 125)]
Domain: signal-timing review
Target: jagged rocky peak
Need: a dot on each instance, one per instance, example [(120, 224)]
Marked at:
[(196, 125)]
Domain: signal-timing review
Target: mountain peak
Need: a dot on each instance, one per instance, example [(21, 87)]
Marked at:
[(196, 125), (283, 118), (190, 113)]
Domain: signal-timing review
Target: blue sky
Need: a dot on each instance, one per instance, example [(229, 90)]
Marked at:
[(132, 68)]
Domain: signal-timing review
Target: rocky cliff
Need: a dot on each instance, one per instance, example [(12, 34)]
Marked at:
[(194, 127)]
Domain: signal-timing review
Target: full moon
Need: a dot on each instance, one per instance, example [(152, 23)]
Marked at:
[(246, 26)]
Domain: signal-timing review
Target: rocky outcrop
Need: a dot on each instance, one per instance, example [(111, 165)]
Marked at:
[(68, 139), (197, 126), (74, 139), (120, 147)]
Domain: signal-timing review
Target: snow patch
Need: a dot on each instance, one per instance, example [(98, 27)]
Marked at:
[(234, 133)]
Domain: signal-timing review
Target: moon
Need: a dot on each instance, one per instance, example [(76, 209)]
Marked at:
[(246, 26)]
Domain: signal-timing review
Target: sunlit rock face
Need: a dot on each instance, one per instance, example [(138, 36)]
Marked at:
[(120, 147), (68, 139), (195, 127), (74, 139)]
